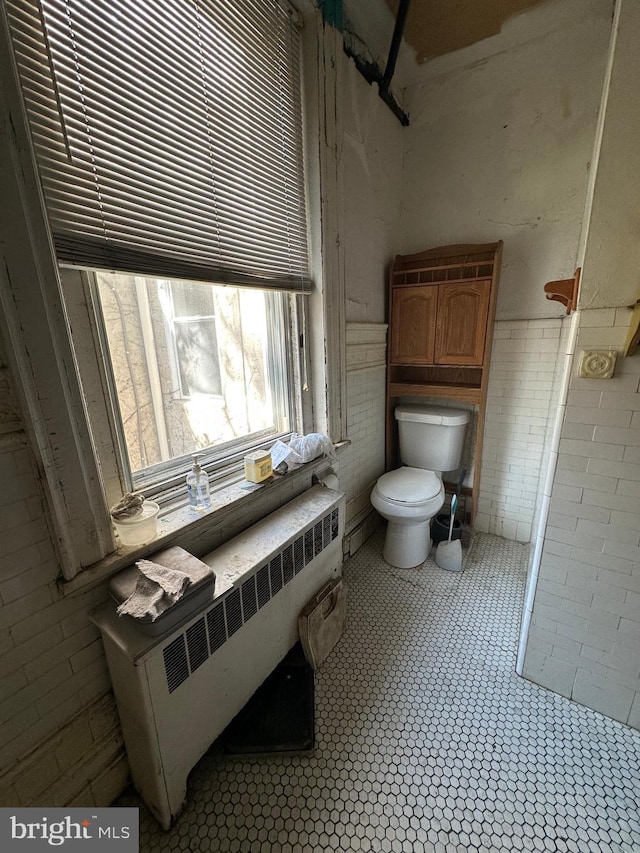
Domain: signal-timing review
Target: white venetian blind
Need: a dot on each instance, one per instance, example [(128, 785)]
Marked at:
[(168, 135)]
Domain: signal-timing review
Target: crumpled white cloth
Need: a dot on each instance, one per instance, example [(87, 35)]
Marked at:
[(157, 589), (300, 449)]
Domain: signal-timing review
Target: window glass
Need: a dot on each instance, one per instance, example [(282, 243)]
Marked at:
[(195, 338), (194, 368)]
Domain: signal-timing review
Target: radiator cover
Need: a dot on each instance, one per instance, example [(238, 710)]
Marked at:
[(176, 693)]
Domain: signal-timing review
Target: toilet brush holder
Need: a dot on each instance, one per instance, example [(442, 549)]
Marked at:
[(449, 553), (440, 528)]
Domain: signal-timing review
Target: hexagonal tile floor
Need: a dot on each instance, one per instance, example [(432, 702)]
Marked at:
[(426, 739)]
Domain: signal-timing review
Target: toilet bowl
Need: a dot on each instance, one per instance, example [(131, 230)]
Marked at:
[(430, 440), (408, 498)]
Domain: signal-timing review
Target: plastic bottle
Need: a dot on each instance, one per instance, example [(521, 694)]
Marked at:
[(198, 487)]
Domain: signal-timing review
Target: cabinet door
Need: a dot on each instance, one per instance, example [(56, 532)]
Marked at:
[(462, 322), (413, 324)]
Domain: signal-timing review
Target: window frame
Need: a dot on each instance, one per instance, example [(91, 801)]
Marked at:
[(165, 482)]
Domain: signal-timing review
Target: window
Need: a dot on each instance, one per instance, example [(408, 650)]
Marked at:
[(168, 136), (194, 368)]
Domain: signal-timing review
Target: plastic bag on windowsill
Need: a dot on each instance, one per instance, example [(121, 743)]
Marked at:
[(301, 448)]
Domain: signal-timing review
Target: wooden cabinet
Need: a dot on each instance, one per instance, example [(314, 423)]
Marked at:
[(413, 328), (461, 323), (439, 324), (441, 315)]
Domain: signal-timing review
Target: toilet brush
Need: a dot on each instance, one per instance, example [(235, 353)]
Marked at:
[(449, 553)]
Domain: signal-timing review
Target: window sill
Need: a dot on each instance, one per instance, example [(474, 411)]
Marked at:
[(178, 522)]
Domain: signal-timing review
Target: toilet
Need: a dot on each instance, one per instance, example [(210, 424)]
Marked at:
[(430, 441)]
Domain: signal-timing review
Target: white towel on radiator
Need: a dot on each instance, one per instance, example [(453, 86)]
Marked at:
[(157, 589)]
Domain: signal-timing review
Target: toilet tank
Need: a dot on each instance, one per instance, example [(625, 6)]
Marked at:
[(431, 437)]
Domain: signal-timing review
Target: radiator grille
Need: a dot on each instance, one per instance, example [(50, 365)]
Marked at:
[(262, 583), (287, 564), (175, 663), (275, 574), (249, 599), (233, 612), (215, 624), (308, 546), (183, 655), (197, 644)]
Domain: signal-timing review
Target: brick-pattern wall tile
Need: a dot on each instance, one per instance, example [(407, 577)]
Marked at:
[(83, 762), (523, 386), (52, 664), (587, 605), (364, 460)]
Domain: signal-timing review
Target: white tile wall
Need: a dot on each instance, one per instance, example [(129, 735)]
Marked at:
[(584, 640), (523, 384), (54, 676), (363, 461)]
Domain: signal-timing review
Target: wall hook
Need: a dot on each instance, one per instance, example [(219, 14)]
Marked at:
[(564, 290)]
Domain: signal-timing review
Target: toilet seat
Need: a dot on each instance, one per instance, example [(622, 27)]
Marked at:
[(409, 486)]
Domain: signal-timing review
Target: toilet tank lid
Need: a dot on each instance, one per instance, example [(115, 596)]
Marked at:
[(431, 414)]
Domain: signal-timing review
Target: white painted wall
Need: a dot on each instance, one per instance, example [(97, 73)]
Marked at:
[(370, 164), (370, 161), (611, 263), (499, 146)]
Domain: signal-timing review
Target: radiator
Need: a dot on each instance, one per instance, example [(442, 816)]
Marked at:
[(176, 693)]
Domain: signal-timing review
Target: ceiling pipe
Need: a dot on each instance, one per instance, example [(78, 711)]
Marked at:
[(396, 40), (372, 73), (398, 30)]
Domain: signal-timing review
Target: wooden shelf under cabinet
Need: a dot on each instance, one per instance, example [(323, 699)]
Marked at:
[(441, 315), (464, 393)]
